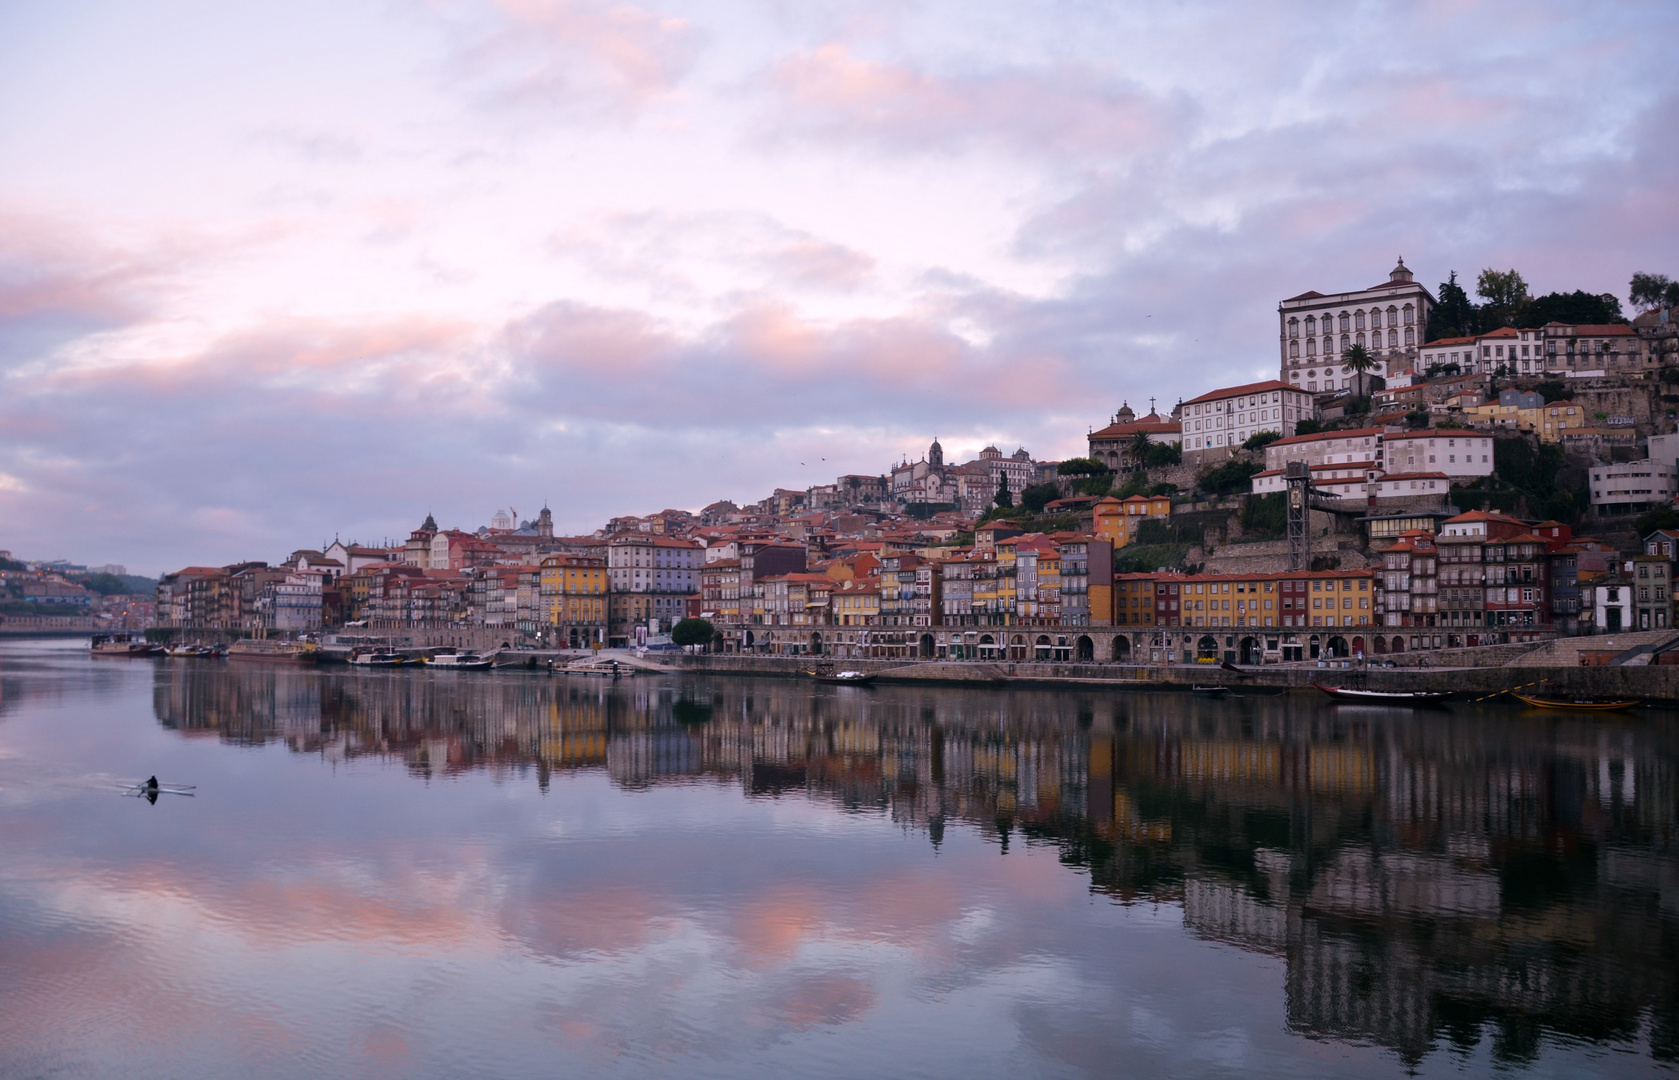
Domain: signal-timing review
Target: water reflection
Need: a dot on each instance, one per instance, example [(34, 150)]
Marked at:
[(1427, 880)]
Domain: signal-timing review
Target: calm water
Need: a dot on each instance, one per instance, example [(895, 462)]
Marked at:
[(511, 875)]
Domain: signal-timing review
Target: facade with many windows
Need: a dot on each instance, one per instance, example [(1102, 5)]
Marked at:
[(1315, 330)]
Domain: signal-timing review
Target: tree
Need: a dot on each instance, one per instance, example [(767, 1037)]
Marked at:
[(1261, 439), (693, 632), (1080, 466), (1003, 499), (1455, 315), (1139, 447), (1035, 497), (1308, 427), (1417, 418), (1228, 478), (1652, 291), (1359, 359), (1505, 294), (1578, 306), (1162, 454)]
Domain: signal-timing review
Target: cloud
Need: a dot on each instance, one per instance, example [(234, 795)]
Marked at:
[(576, 56), (831, 92)]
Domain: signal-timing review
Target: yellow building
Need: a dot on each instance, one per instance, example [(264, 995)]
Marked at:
[(856, 602), (1133, 597), (1547, 421), (574, 599), (1120, 522)]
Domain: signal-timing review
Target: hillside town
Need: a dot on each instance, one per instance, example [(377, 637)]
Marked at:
[(1423, 474)]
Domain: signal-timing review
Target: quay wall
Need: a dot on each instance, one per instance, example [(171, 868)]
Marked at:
[(1658, 683)]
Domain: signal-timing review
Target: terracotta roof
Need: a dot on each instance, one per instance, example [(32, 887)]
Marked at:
[(1309, 294), (1436, 433), (1597, 329), (1501, 332), (1355, 433), (1122, 431), (1448, 341), (1246, 388), (1415, 476)]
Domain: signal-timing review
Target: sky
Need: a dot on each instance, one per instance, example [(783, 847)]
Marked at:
[(275, 274)]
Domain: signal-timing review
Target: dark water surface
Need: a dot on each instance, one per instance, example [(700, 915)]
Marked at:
[(512, 875)]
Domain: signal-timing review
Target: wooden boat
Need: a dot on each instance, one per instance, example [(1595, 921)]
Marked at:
[(606, 669), (1210, 691), (1581, 704), (275, 652), (190, 651), (1385, 697), (121, 645), (460, 661), (842, 678), (376, 658)]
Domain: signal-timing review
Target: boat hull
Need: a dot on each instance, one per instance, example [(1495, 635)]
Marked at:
[(1577, 706), (1384, 697)]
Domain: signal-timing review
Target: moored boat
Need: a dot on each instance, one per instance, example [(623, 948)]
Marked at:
[(1385, 697), (120, 644), (377, 658), (843, 678), (460, 661), (1582, 704), (275, 652), (1210, 691), (609, 669)]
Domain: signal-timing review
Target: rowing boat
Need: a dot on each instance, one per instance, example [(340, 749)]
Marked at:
[(1385, 697), (1585, 704)]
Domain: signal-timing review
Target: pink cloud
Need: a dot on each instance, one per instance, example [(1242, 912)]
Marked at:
[(832, 92), (600, 57)]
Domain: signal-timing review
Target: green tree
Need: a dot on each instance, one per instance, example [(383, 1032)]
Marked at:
[(1139, 448), (1165, 487), (1035, 497), (1505, 294), (1455, 315), (1162, 454), (1308, 427), (693, 632), (1003, 499), (1359, 359), (1652, 291), (1261, 439), (1228, 478), (1578, 306), (1080, 466), (1417, 418)]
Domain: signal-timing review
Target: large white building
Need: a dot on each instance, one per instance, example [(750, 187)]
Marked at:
[(1632, 487), (1227, 418), (1315, 329)]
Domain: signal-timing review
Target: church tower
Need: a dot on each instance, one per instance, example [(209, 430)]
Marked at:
[(545, 523), (935, 455)]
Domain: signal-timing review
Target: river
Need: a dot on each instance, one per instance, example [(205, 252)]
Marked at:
[(445, 874)]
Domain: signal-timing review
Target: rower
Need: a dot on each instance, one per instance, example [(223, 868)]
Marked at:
[(150, 784)]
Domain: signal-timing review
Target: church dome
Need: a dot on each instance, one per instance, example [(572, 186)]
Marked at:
[(1400, 273), (1124, 415)]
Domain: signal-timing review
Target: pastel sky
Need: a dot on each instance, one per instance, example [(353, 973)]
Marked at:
[(270, 274)]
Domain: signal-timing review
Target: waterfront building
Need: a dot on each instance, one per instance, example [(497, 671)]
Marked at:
[(1408, 590)]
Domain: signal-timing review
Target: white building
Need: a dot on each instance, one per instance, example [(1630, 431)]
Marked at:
[(1315, 329), (1227, 418), (295, 603), (1453, 452), (664, 566), (1632, 487)]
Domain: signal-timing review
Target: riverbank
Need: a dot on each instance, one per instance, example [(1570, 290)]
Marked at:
[(1649, 683)]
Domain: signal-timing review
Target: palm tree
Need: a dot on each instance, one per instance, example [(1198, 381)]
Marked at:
[(1359, 359), (1141, 444)]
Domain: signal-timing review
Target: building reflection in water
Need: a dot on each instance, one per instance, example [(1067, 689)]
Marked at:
[(1426, 877)]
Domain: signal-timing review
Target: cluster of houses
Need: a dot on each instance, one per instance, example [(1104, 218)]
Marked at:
[(905, 564)]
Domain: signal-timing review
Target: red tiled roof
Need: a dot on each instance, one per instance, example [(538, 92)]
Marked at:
[(1122, 431), (1246, 388), (1355, 433)]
